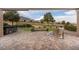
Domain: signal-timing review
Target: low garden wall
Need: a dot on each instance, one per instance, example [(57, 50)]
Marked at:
[(9, 29)]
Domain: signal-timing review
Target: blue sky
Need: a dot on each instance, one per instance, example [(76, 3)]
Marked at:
[(38, 13), (59, 15)]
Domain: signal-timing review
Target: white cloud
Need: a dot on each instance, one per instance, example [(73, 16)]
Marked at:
[(39, 18), (23, 13), (69, 17), (71, 12)]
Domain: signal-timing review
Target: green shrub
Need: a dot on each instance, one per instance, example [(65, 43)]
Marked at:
[(70, 27), (6, 25), (32, 29), (28, 25), (25, 25), (47, 29)]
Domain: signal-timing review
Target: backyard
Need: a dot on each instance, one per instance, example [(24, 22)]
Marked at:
[(23, 33)]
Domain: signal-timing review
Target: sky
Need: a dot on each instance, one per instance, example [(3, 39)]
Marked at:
[(59, 15)]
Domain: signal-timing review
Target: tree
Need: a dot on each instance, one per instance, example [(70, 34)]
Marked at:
[(16, 17), (24, 20), (63, 22), (69, 26), (12, 16), (68, 23), (31, 20), (42, 20), (48, 18)]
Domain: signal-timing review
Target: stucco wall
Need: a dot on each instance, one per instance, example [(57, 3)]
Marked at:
[(77, 22), (1, 23)]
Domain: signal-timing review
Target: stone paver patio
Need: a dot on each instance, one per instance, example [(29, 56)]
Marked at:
[(37, 40)]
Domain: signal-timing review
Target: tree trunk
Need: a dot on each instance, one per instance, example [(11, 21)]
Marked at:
[(12, 23), (16, 24)]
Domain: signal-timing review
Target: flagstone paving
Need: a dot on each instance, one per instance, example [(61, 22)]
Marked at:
[(39, 40)]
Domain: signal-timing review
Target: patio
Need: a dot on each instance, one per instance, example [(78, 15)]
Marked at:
[(37, 40)]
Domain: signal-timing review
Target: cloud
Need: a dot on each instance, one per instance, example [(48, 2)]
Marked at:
[(71, 12), (39, 18), (23, 13), (71, 19), (34, 11), (70, 16)]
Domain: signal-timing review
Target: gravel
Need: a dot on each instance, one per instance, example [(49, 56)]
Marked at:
[(39, 40)]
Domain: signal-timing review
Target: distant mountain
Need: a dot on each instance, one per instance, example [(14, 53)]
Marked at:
[(25, 18)]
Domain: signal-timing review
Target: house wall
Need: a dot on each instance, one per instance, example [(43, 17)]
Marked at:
[(77, 22), (1, 23)]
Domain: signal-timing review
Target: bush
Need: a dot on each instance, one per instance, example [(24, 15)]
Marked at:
[(70, 27), (47, 29), (6, 25), (25, 25), (28, 25), (32, 29)]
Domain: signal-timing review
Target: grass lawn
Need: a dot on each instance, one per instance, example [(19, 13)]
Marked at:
[(26, 29)]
